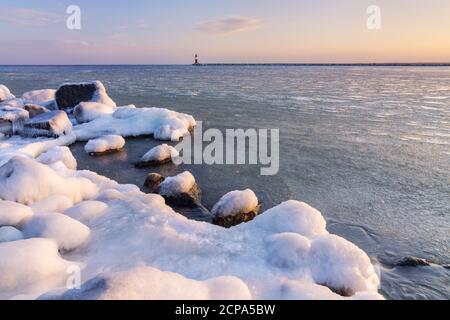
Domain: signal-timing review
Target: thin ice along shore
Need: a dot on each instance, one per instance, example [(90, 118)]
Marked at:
[(55, 218)]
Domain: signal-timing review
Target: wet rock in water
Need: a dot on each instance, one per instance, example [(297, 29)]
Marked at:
[(48, 124), (68, 96), (181, 190), (414, 262), (235, 208), (35, 110), (159, 155), (153, 181)]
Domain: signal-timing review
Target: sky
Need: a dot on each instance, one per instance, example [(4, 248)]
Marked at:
[(226, 31)]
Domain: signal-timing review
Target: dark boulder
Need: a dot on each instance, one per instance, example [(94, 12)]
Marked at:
[(70, 95), (153, 181), (414, 262)]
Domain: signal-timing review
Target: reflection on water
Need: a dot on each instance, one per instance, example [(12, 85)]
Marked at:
[(367, 146)]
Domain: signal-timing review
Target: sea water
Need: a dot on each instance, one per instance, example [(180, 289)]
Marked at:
[(367, 146)]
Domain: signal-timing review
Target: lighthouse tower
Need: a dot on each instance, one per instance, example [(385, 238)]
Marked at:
[(196, 62)]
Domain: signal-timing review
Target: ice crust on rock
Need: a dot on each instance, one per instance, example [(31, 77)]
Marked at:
[(5, 94), (27, 181), (163, 124), (44, 97), (105, 144), (56, 154), (89, 111), (159, 155), (147, 283)]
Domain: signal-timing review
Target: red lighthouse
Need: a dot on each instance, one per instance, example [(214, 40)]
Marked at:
[(196, 62)]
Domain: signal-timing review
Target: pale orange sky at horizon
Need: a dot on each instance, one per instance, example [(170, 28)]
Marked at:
[(285, 31)]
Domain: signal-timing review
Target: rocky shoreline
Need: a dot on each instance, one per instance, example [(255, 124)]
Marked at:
[(49, 211)]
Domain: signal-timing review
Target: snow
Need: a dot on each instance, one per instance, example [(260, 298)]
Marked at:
[(55, 203), (42, 97), (173, 186), (101, 96), (236, 202), (88, 111), (163, 124), (146, 283), (104, 144), (288, 250), (14, 103), (56, 154), (302, 219), (10, 234), (68, 233), (160, 153), (338, 263), (26, 262), (30, 147), (5, 94), (13, 214), (27, 181), (87, 211)]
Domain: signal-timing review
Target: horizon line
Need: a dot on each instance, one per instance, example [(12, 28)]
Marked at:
[(381, 64)]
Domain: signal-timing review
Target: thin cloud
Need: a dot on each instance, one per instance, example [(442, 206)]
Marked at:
[(28, 17), (229, 25)]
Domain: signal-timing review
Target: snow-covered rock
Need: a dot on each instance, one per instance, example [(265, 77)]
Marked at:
[(235, 208), (87, 211), (293, 216), (147, 283), (68, 233), (153, 181), (56, 154), (27, 262), (105, 144), (11, 119), (55, 203), (5, 94), (287, 250), (13, 103), (49, 124), (9, 234), (44, 97), (163, 124), (341, 266), (181, 190), (13, 214), (35, 110), (27, 181), (88, 111), (158, 155), (70, 95)]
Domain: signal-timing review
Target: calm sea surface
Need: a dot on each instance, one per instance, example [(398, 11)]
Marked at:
[(367, 146)]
